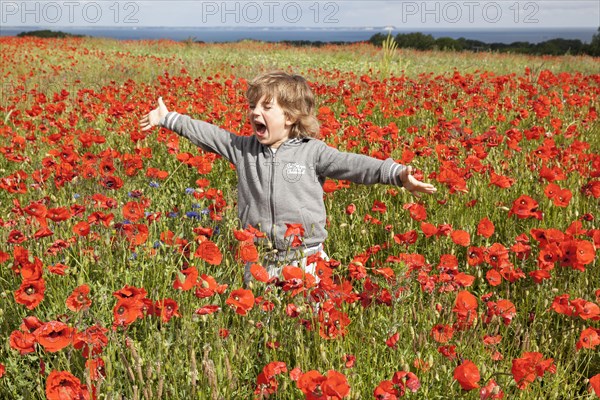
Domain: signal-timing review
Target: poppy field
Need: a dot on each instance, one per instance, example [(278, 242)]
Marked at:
[(122, 256)]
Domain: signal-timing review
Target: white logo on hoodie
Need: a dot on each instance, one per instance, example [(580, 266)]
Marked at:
[(292, 172)]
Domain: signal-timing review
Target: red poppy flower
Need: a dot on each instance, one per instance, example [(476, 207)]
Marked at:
[(407, 238), (186, 279), (310, 383), (259, 273), (491, 391), (475, 256), (112, 182), (133, 211), (386, 390), (81, 228), (448, 351), (129, 292), (207, 286), (241, 236), (552, 190), (497, 256), (265, 382), (92, 341), (442, 333), (54, 336), (31, 293), (242, 300), (59, 214), (247, 252), (408, 380), (30, 324), (332, 322), (127, 310), (350, 209), (562, 305), (336, 386), (530, 366), (595, 384), (465, 307), (485, 228), (505, 309), (417, 211), (379, 206), (525, 207), (23, 342), (209, 252), (208, 309), (586, 309), (589, 339), (37, 210), (79, 300), (349, 360), (461, 238), (137, 234), (500, 181), (562, 198), (392, 340), (62, 385), (32, 271), (467, 375), (2, 370), (294, 229), (95, 367), (16, 237), (428, 229), (166, 309)]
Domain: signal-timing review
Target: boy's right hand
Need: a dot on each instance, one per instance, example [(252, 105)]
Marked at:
[(154, 117)]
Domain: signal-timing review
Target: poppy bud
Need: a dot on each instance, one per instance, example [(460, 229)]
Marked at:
[(322, 353)]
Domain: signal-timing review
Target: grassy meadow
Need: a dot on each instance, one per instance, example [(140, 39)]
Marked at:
[(121, 254)]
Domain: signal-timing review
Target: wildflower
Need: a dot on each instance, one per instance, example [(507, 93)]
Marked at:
[(54, 336), (242, 300), (589, 339), (530, 366), (525, 207), (31, 293), (209, 252), (23, 342), (92, 341), (467, 375), (79, 300), (62, 385), (485, 227)]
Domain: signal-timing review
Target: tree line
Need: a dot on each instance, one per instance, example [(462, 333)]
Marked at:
[(421, 41)]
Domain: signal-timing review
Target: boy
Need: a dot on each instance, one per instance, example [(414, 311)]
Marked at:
[(282, 167)]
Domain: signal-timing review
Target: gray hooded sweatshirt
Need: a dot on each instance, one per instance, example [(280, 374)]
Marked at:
[(286, 186)]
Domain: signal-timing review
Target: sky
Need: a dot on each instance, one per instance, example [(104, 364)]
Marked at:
[(399, 14)]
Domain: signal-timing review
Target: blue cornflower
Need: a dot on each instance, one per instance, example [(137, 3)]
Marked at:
[(192, 214)]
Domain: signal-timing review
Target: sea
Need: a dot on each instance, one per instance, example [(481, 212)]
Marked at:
[(219, 34)]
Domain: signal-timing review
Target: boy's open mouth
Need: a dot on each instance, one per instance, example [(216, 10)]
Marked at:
[(260, 128)]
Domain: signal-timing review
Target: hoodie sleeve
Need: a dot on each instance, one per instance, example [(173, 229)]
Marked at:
[(204, 135), (356, 168)]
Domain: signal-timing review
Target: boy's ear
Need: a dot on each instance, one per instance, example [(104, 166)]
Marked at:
[(289, 121)]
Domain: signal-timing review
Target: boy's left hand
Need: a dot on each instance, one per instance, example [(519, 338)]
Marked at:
[(413, 185)]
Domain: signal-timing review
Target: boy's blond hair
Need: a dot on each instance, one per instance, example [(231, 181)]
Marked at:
[(294, 96)]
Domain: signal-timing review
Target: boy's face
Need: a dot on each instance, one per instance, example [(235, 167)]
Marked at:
[(270, 124)]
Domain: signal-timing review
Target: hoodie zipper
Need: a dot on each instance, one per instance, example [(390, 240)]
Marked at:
[(272, 195)]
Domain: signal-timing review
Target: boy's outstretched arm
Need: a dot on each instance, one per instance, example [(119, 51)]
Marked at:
[(413, 185), (154, 117)]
